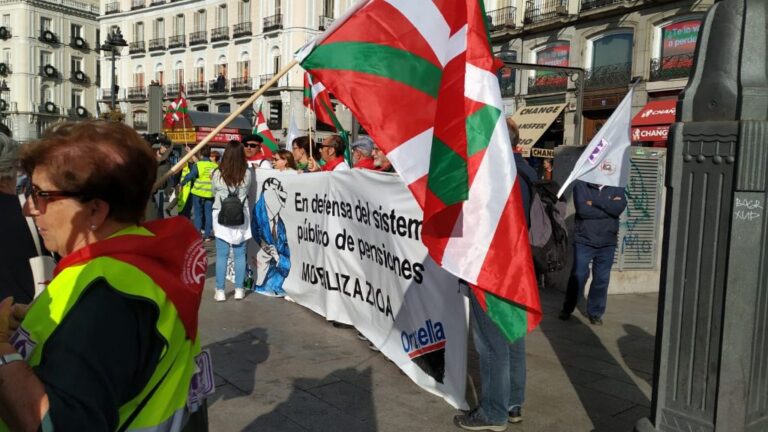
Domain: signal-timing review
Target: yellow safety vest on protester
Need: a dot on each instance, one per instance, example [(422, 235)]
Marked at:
[(203, 186), (165, 396), (184, 192)]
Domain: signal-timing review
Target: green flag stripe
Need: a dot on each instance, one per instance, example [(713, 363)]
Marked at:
[(480, 126), (511, 319), (268, 142), (396, 64), (448, 176)]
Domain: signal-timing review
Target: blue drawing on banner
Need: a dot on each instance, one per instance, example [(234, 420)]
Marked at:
[(273, 259)]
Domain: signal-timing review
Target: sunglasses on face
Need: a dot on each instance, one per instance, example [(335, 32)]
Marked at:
[(41, 198), (251, 145)]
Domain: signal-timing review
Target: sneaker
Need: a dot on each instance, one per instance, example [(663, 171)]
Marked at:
[(239, 293), (474, 421), (515, 415), (361, 337), (341, 325), (595, 320), (220, 296)]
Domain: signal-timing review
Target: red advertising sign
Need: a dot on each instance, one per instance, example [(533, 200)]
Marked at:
[(659, 112), (679, 38), (553, 55), (650, 133), (219, 137)]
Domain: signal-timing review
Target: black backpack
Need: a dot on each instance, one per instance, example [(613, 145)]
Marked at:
[(231, 213), (547, 233)]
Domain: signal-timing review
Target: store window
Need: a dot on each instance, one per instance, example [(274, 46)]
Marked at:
[(673, 56), (555, 54), (610, 58)]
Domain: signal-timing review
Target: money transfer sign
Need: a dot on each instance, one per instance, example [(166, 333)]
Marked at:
[(533, 121)]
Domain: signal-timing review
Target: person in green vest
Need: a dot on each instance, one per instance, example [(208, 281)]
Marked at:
[(112, 342), (202, 192), (183, 203)]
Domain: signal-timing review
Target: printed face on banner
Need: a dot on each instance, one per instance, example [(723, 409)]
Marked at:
[(271, 263)]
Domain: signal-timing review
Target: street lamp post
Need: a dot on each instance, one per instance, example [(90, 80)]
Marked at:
[(114, 41)]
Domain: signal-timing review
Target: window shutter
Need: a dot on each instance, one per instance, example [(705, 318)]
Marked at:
[(639, 224)]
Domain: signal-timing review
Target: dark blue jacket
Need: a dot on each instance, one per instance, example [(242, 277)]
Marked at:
[(597, 225), (527, 177)]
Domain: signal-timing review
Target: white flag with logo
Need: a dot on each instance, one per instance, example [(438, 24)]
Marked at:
[(293, 133), (605, 161)]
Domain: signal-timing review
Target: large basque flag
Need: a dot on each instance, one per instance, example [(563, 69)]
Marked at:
[(449, 142)]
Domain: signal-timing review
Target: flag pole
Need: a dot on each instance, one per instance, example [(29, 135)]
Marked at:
[(309, 131), (249, 102)]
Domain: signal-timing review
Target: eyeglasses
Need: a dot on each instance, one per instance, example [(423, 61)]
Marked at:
[(40, 198), (251, 145)]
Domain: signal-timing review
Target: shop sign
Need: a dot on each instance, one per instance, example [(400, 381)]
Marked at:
[(650, 133), (543, 153), (532, 122), (180, 137)]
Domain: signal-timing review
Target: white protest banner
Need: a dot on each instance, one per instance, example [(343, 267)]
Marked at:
[(347, 245)]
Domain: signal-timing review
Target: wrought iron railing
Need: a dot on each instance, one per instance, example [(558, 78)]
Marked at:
[(502, 18), (608, 76), (594, 4), (49, 71), (112, 7), (78, 42), (242, 84), (242, 29), (264, 78), (135, 93), (670, 67), (157, 44), (176, 41), (138, 4), (220, 33), (544, 10), (324, 22), (139, 124), (136, 47), (198, 37), (196, 88), (79, 77), (157, 2), (218, 85), (171, 90), (549, 83), (272, 23)]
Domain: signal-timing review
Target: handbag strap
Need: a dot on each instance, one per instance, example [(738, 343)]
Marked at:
[(31, 226)]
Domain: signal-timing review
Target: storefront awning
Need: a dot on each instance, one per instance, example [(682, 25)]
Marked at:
[(661, 112), (533, 121), (200, 124)]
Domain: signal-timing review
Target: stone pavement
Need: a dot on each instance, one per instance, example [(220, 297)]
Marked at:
[(281, 367)]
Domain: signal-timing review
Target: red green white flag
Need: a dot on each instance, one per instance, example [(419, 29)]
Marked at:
[(261, 129), (177, 110), (449, 142), (317, 99)]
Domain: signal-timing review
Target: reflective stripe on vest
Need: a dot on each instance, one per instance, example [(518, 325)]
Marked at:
[(166, 392), (203, 187)]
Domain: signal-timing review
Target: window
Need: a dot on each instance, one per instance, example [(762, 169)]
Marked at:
[(76, 31), (243, 68), (178, 73), (555, 54), (138, 32), (45, 24), (328, 8), (221, 66), (244, 11), (222, 108), (140, 119), (158, 28), (77, 98), (45, 58), (46, 94), (76, 64), (159, 70), (178, 25), (277, 7), (138, 77), (200, 20), (200, 70), (276, 64), (7, 56), (275, 115), (6, 20), (221, 16), (679, 38), (612, 49)]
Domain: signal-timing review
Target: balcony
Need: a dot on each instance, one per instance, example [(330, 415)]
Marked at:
[(137, 93), (548, 83), (136, 47), (112, 8), (242, 29), (157, 2), (49, 108), (140, 124), (49, 71), (176, 41), (272, 23), (106, 94), (324, 22), (196, 88), (48, 36), (608, 76), (77, 112), (538, 11), (171, 90), (138, 4), (5, 69), (502, 18), (242, 84), (594, 4), (264, 78), (220, 34), (78, 42), (5, 33), (671, 67), (198, 38), (157, 44), (218, 86), (79, 77)]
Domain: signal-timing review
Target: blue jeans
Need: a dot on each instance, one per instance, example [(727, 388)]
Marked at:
[(222, 253), (602, 261), (203, 209), (502, 367)]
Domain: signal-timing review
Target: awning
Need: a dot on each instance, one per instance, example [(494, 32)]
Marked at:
[(650, 133), (533, 121), (661, 112), (202, 123)]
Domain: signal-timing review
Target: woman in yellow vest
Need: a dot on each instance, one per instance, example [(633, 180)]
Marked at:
[(111, 343)]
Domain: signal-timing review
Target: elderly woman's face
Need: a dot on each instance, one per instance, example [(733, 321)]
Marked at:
[(63, 221)]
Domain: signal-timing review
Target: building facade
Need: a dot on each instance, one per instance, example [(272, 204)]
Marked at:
[(48, 66), (221, 51)]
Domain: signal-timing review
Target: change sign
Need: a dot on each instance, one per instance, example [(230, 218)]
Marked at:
[(533, 121)]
